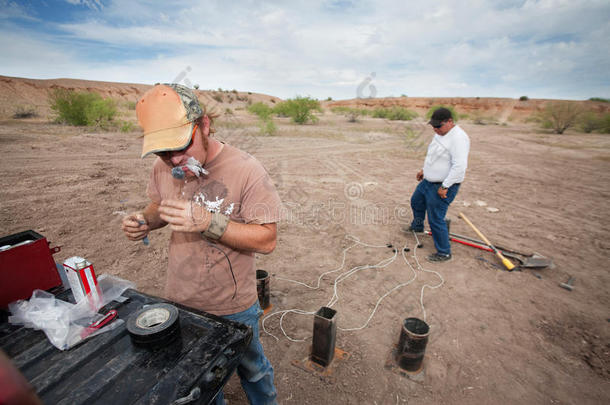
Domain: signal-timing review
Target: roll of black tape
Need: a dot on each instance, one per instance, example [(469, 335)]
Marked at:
[(154, 326)]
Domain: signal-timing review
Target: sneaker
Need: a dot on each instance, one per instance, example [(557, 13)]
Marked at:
[(409, 229), (439, 257)]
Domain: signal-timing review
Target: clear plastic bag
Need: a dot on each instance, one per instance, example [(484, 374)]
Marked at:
[(64, 323)]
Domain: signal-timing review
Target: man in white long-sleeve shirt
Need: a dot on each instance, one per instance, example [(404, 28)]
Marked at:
[(443, 172)]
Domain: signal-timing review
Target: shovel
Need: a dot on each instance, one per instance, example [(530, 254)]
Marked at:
[(526, 260)]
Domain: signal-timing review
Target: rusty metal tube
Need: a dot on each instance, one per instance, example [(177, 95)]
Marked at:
[(324, 336)]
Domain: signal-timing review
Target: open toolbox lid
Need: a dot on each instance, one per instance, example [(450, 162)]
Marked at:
[(109, 369), (26, 264)]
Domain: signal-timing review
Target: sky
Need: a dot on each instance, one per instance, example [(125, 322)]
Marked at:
[(342, 49)]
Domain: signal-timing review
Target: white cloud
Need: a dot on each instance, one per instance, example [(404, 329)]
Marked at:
[(470, 48), (92, 4)]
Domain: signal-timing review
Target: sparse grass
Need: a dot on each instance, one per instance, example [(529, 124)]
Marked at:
[(601, 100), (127, 126), (231, 124), (479, 119)]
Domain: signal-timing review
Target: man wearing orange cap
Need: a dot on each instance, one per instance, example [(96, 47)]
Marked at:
[(222, 208)]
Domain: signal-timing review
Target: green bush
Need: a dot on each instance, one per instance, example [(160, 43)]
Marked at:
[(560, 116), (82, 108), (454, 113), (524, 98), (394, 113), (300, 109), (602, 100), (260, 109), (589, 122)]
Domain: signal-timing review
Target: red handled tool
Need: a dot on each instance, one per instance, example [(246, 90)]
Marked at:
[(97, 325)]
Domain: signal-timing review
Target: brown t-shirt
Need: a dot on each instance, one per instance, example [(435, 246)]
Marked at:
[(199, 274)]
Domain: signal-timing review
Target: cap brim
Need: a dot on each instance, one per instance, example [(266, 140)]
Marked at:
[(434, 122), (166, 140)]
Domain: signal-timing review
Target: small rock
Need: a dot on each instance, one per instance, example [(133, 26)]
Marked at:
[(492, 209), (466, 204), (480, 203)]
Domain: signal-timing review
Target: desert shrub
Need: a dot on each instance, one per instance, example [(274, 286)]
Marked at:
[(82, 108), (130, 105), (604, 126), (300, 109), (218, 97), (589, 122), (22, 111), (601, 100), (560, 116), (329, 98), (228, 111), (267, 126), (524, 98), (260, 109), (454, 113), (394, 113), (401, 114)]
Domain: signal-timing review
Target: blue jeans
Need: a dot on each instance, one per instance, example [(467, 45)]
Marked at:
[(254, 370), (425, 199)]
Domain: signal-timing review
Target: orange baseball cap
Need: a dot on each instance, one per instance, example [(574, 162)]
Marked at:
[(167, 114)]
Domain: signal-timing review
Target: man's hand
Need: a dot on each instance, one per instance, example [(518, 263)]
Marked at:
[(135, 226), (442, 192), (420, 175), (184, 216)]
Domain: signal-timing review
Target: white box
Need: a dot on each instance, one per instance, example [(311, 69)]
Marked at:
[(83, 281)]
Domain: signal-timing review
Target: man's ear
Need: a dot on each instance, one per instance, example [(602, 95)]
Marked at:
[(205, 125)]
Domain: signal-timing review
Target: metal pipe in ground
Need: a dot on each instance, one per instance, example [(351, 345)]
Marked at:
[(412, 344), (262, 288), (324, 336)]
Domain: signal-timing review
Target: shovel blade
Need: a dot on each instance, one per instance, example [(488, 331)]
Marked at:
[(536, 261)]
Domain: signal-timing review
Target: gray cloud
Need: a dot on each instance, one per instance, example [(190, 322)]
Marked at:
[(545, 48)]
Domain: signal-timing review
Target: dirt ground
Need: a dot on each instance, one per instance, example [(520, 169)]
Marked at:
[(496, 336)]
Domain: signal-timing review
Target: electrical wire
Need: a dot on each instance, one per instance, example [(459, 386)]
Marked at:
[(230, 267), (343, 276)]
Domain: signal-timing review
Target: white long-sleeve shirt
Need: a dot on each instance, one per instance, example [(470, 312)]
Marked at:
[(447, 157)]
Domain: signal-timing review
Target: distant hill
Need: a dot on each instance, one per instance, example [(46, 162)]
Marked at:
[(15, 92), (20, 92), (503, 109)]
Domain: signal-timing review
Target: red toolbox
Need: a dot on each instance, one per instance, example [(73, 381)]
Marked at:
[(26, 264)]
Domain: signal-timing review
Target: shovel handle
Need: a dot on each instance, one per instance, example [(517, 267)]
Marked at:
[(507, 263)]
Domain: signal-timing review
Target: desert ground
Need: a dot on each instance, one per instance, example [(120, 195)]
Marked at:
[(496, 337)]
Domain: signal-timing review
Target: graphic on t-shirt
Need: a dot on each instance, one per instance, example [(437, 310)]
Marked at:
[(213, 197)]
